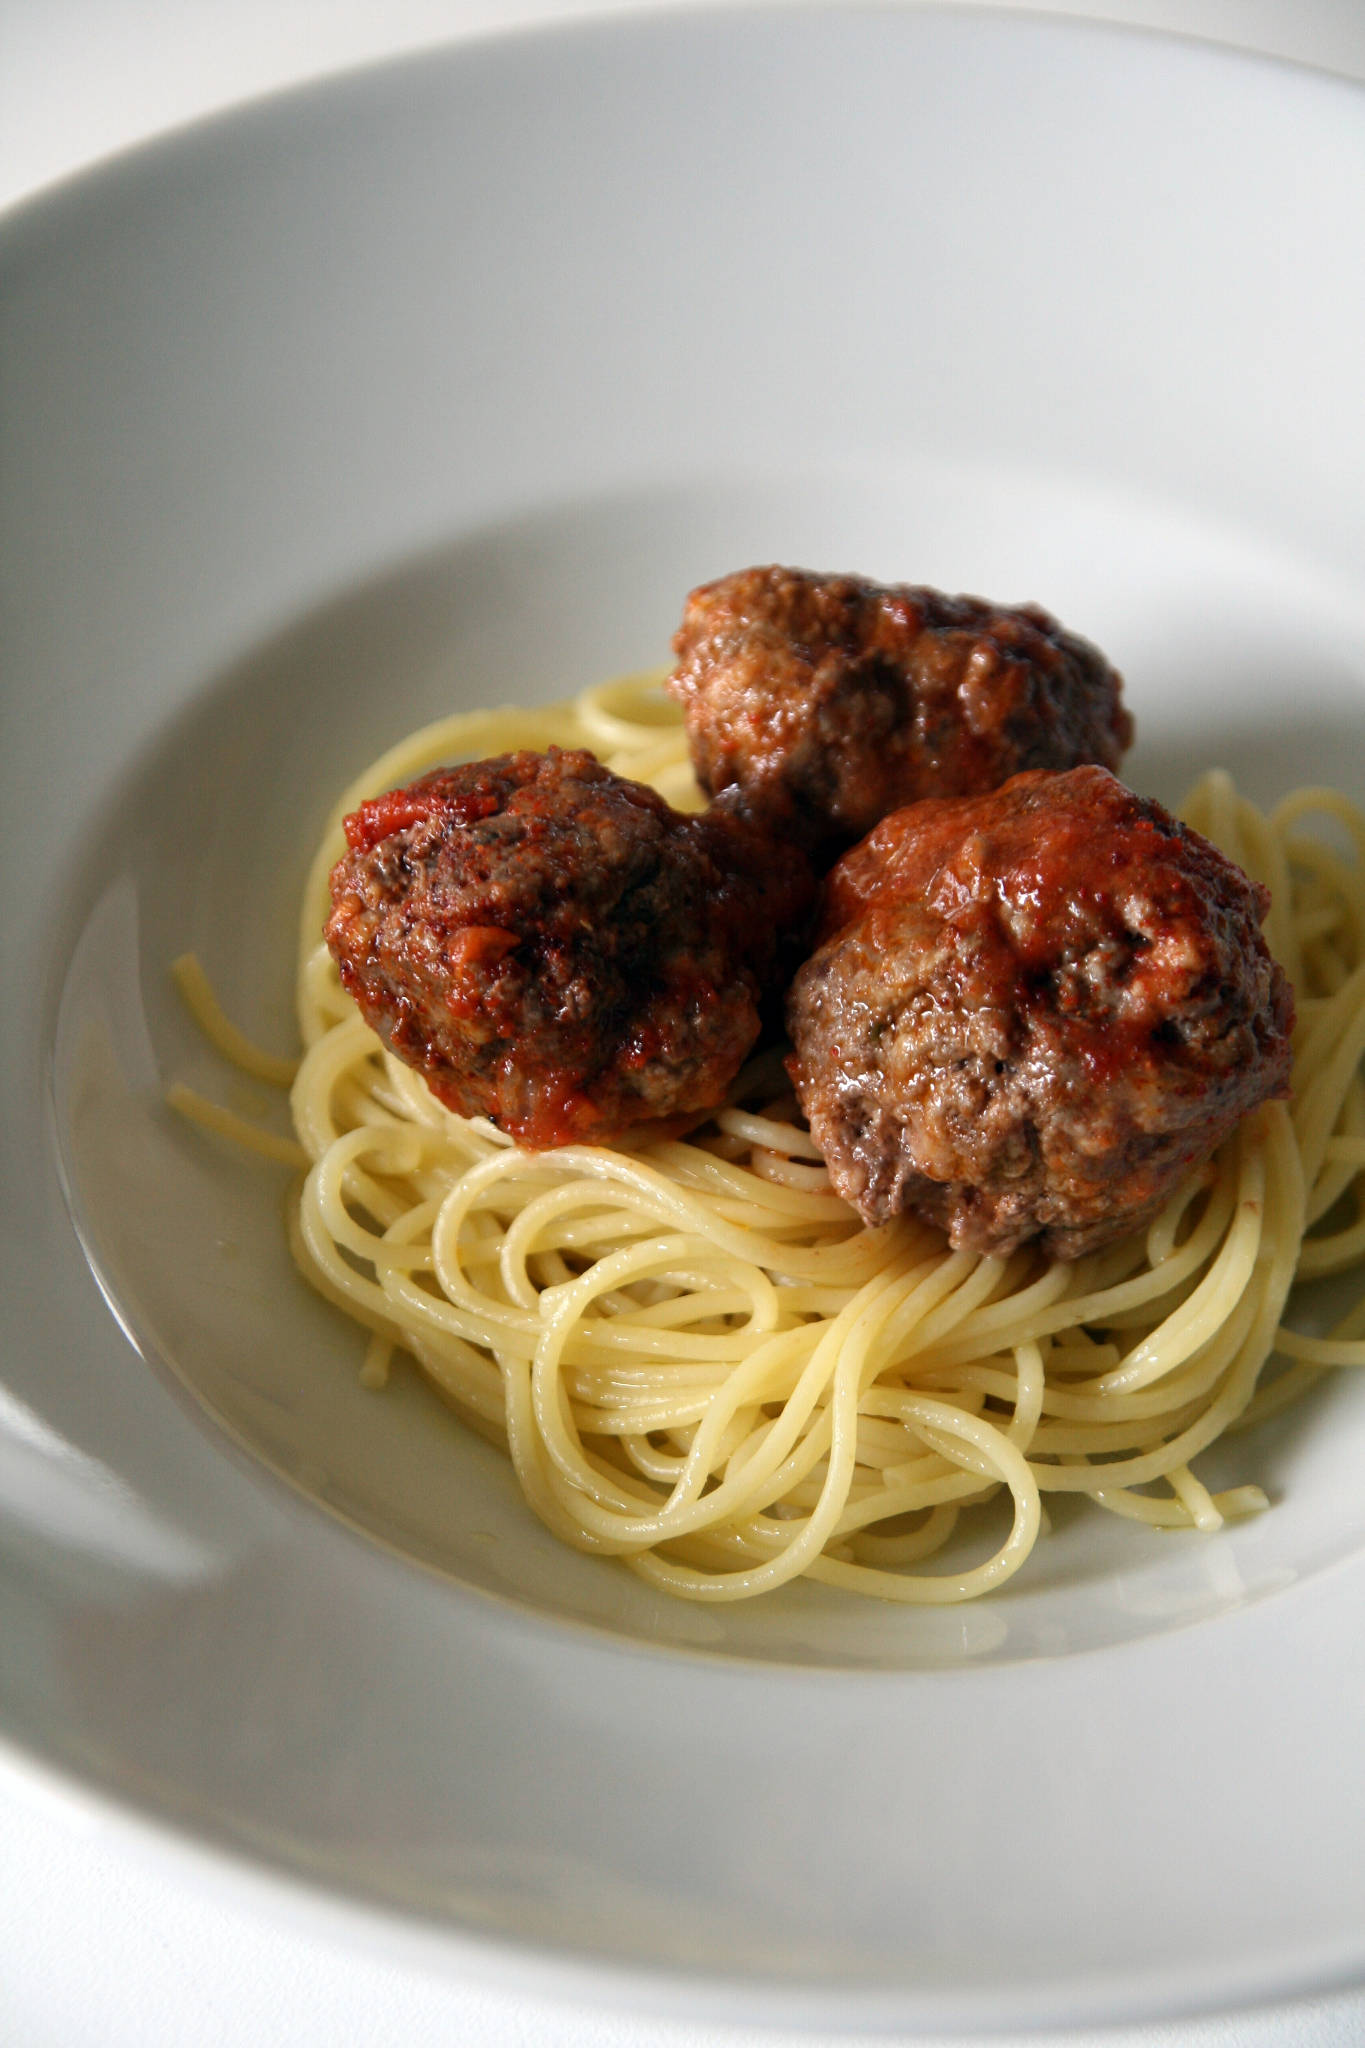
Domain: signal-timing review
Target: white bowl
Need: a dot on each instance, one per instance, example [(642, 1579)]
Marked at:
[(440, 386)]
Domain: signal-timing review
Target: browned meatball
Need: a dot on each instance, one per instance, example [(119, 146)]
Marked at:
[(1033, 1012), (558, 949), (823, 702)]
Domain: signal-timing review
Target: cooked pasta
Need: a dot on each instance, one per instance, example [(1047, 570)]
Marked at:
[(701, 1362)]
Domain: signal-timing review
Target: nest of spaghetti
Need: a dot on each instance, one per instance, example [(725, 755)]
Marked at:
[(704, 1361)]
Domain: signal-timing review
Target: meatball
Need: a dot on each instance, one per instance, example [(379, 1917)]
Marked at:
[(556, 948), (1032, 1012), (820, 703)]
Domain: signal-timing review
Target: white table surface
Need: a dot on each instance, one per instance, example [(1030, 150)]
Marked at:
[(103, 1940)]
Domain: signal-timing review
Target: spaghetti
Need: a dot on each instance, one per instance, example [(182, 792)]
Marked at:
[(698, 1358)]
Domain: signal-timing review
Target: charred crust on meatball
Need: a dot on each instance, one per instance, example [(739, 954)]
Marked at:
[(817, 704), (554, 947), (1031, 1013)]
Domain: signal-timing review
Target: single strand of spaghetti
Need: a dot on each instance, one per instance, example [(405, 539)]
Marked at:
[(1163, 1231), (648, 1458), (791, 1173), (378, 1361), (1162, 1512), (413, 1227), (1028, 1399), (188, 974), (1199, 806), (1320, 1350), (764, 1131), (1195, 1498), (880, 1551), (198, 1109)]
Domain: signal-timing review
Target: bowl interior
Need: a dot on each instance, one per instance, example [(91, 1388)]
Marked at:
[(204, 844)]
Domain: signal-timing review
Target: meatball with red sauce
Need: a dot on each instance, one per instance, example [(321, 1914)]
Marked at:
[(1033, 1012), (818, 704), (556, 948)]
